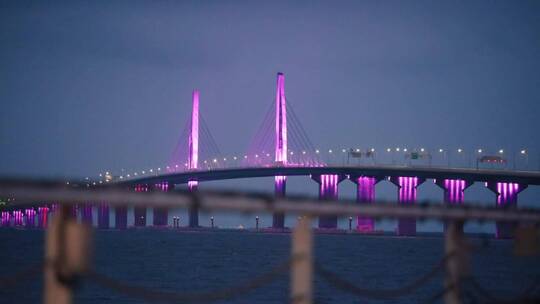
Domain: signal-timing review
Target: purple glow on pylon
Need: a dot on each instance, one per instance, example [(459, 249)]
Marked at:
[(453, 191), (17, 218), (43, 213), (194, 134), (30, 218), (329, 186), (6, 218), (365, 195), (281, 121), (192, 185), (507, 193), (407, 196)]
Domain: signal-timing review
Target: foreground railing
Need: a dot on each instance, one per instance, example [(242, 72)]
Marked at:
[(68, 242)]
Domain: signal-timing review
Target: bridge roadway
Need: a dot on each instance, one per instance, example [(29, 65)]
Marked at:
[(381, 171)]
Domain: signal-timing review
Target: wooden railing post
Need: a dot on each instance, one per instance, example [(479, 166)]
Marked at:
[(302, 262), (456, 259), (67, 254)]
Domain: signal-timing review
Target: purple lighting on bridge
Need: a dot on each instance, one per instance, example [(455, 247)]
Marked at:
[(407, 196), (365, 195), (6, 218), (43, 214), (507, 195), (453, 191), (328, 190), (281, 121), (193, 157), (30, 218), (17, 218), (278, 220)]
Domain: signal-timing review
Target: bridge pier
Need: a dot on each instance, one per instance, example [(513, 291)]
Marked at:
[(17, 218), (5, 218), (161, 214), (328, 190), (139, 213), (278, 218), (365, 194), (507, 195), (86, 213), (453, 191), (30, 218), (193, 210), (120, 217), (43, 215), (103, 216), (407, 186)]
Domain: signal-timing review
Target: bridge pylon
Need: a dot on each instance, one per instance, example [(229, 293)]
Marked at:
[(280, 182)]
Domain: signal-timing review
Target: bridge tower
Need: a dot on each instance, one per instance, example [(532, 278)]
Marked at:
[(407, 186), (278, 220), (193, 156), (507, 195)]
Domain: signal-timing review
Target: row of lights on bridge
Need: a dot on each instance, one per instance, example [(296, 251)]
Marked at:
[(107, 176)]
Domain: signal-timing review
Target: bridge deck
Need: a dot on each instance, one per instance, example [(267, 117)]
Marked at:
[(472, 175)]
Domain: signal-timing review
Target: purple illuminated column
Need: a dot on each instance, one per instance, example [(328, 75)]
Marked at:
[(86, 213), (103, 216), (406, 196), (328, 190), (17, 218), (507, 195), (139, 213), (161, 213), (365, 194), (454, 190), (193, 157), (6, 219), (43, 215), (30, 218), (278, 220)]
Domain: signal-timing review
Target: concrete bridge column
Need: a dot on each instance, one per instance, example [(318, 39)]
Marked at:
[(86, 213), (43, 216), (30, 218), (139, 213), (407, 186), (120, 217), (5, 218), (365, 194), (161, 213), (193, 210), (507, 195), (103, 216), (17, 218), (453, 191), (278, 219), (328, 190)]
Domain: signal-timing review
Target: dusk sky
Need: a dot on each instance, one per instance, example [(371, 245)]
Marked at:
[(93, 86)]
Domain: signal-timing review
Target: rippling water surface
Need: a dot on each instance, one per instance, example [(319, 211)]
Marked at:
[(175, 261)]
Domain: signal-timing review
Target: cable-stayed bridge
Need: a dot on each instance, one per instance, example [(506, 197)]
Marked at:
[(281, 148)]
